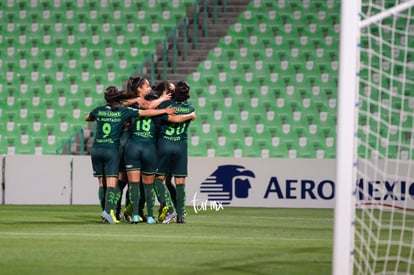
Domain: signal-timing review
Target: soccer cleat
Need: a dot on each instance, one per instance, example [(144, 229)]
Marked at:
[(127, 218), (162, 212), (180, 220), (112, 213), (128, 213), (151, 220), (142, 216), (108, 218), (136, 219), (170, 217)]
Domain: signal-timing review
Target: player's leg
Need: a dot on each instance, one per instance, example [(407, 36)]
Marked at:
[(98, 172), (142, 199), (149, 167), (110, 200), (133, 164), (101, 192), (165, 156), (134, 177), (179, 171), (127, 213), (122, 182), (111, 167), (148, 184), (171, 209), (181, 196), (105, 161), (123, 185), (171, 188), (122, 178), (159, 189)]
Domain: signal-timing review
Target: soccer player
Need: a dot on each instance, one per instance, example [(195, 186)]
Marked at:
[(172, 147), (136, 88), (141, 85), (140, 158), (163, 195), (110, 119)]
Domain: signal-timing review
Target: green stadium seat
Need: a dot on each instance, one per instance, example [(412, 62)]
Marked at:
[(251, 151), (239, 33), (198, 150), (12, 123), (262, 32)]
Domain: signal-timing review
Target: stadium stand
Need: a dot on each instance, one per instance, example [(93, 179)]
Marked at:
[(66, 53), (283, 58), (266, 89)]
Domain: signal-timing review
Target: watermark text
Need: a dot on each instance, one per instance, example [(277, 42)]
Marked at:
[(204, 205)]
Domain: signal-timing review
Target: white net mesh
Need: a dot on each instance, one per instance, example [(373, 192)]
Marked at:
[(384, 218)]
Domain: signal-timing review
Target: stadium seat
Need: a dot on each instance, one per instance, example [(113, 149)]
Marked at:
[(239, 34), (242, 65)]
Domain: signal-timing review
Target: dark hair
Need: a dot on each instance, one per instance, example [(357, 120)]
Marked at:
[(161, 86), (133, 84), (151, 96), (182, 91), (113, 96)]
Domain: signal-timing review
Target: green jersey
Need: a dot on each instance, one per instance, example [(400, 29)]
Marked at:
[(175, 132), (143, 129), (110, 123), (172, 142)]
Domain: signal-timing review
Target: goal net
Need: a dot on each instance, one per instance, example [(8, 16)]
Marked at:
[(381, 222)]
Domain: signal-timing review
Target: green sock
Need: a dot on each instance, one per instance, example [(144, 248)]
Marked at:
[(142, 198), (127, 197), (110, 199), (168, 201), (173, 192), (101, 196), (118, 195), (159, 190), (149, 193), (121, 187), (134, 196), (180, 199), (153, 195)]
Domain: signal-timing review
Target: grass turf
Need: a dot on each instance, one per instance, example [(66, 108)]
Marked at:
[(73, 240)]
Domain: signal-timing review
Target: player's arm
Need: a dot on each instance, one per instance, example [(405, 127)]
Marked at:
[(155, 112), (156, 102), (135, 100), (182, 118)]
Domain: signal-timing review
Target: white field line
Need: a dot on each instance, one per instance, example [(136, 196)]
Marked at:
[(4, 235)]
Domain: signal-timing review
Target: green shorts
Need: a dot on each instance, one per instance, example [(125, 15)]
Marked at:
[(172, 158), (105, 161), (141, 155)]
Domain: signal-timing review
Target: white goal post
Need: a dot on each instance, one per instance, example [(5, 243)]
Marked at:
[(375, 138)]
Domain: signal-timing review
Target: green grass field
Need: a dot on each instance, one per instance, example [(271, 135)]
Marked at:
[(73, 240)]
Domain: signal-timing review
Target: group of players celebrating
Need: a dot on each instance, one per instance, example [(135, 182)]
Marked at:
[(140, 143)]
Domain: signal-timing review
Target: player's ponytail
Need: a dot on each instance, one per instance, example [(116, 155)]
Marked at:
[(113, 96), (182, 91)]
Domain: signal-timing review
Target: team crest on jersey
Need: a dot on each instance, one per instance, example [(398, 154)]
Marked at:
[(227, 182)]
